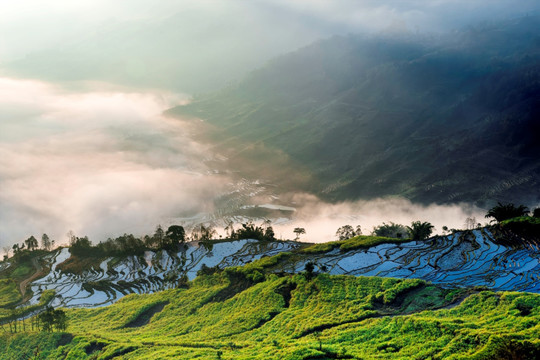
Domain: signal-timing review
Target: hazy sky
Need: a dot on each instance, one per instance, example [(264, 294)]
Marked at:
[(83, 144), (200, 45)]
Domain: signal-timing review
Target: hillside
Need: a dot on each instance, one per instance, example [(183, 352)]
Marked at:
[(462, 109), (241, 314), (495, 257), (438, 298)]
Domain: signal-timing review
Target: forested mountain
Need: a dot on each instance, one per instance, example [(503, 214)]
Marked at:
[(444, 118)]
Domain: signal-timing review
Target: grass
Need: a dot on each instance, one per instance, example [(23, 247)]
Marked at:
[(22, 270), (9, 294), (522, 220), (357, 242), (237, 314), (7, 315)]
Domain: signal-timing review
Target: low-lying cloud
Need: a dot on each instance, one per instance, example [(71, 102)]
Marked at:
[(321, 219), (105, 161), (97, 162)]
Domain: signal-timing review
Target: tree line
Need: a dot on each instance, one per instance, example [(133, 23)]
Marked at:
[(175, 235), (418, 230)]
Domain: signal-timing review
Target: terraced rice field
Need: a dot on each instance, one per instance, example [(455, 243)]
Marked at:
[(155, 271), (462, 260)]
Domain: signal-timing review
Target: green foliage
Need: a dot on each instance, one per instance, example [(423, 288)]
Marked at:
[(9, 294), (309, 268), (51, 319), (82, 246), (420, 230), (502, 212), (358, 242), (390, 294), (31, 243), (22, 270), (391, 230), (521, 221), (289, 317), (523, 227), (175, 235), (251, 231), (7, 316), (347, 231), (126, 244)]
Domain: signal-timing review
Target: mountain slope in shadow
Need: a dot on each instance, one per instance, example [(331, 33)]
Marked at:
[(434, 119)]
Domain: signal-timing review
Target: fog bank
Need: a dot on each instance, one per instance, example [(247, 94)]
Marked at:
[(321, 219), (98, 162)]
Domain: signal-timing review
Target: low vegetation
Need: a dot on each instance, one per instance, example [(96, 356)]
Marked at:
[(357, 242), (259, 311), (9, 295), (240, 313)]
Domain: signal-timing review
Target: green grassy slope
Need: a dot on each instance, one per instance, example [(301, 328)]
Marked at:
[(9, 294), (240, 313)]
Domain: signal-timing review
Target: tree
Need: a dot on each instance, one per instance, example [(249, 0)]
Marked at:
[(536, 213), (71, 237), (82, 246), (470, 223), (269, 234), (31, 243), (309, 268), (6, 249), (346, 232), (159, 236), (46, 319), (229, 229), (51, 319), (45, 242), (391, 230), (176, 235), (502, 212), (203, 233), (249, 230), (299, 231), (60, 319), (420, 230)]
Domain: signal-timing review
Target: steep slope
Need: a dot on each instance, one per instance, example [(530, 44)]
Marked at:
[(441, 119), (291, 317)]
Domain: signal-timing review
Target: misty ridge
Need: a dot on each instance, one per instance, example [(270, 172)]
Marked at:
[(81, 150)]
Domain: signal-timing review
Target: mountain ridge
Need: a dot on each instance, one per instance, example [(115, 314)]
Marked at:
[(463, 112)]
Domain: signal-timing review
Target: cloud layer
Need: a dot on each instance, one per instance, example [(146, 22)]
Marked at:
[(321, 220), (97, 162), (104, 161)]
